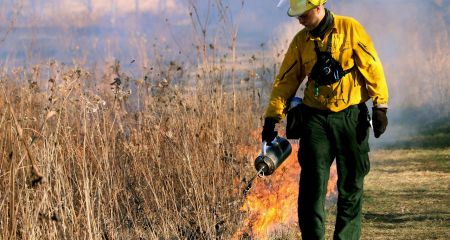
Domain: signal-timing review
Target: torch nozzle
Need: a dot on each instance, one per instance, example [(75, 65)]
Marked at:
[(250, 182)]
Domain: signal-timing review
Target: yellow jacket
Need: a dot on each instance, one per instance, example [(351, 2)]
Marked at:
[(350, 45)]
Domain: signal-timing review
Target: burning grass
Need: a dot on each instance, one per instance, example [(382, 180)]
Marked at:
[(271, 205)]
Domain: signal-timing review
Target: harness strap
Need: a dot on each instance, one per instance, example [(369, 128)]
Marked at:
[(316, 48), (330, 40), (329, 44)]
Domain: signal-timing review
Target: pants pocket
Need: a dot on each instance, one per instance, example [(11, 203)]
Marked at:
[(365, 163), (362, 128)]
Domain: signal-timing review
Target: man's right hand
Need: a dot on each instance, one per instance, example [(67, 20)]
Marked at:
[(268, 132)]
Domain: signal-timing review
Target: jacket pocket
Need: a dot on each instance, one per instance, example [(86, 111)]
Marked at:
[(344, 55), (308, 65), (366, 50), (288, 70)]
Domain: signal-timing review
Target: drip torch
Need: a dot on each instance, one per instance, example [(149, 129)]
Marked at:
[(271, 157)]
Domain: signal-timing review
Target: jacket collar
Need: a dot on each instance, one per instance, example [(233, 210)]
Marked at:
[(334, 29)]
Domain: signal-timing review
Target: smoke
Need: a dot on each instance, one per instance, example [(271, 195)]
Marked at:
[(51, 10), (87, 31)]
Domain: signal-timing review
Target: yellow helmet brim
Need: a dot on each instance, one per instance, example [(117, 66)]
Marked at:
[(298, 7)]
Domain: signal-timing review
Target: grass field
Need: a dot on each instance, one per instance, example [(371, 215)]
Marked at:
[(407, 195)]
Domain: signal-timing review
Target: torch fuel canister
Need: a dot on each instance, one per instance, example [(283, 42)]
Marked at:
[(272, 155)]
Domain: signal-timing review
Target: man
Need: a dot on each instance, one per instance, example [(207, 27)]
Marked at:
[(344, 71)]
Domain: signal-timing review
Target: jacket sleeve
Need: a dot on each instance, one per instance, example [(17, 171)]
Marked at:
[(286, 83), (369, 65)]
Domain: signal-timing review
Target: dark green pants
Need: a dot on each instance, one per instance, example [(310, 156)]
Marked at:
[(327, 136)]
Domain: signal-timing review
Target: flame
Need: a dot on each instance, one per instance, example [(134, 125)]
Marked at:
[(272, 202)]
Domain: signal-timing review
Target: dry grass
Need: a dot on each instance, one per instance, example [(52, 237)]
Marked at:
[(169, 170)]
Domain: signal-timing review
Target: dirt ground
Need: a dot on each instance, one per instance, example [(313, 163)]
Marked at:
[(407, 195)]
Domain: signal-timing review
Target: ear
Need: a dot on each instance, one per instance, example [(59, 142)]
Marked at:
[(319, 9)]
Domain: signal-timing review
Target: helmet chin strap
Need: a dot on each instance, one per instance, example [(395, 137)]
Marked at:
[(281, 3)]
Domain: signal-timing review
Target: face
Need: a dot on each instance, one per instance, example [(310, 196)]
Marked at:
[(311, 18)]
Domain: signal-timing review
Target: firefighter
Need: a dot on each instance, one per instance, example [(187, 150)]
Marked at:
[(343, 71)]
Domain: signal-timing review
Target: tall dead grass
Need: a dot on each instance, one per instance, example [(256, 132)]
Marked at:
[(167, 169)]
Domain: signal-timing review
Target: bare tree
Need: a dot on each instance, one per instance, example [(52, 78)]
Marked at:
[(200, 28), (233, 29), (15, 10)]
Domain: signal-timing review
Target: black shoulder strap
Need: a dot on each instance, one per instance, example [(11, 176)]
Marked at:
[(316, 48), (329, 44)]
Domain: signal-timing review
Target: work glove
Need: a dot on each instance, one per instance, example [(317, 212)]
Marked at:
[(379, 121), (268, 132)]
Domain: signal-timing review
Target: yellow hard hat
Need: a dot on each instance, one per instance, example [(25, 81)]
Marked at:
[(298, 7)]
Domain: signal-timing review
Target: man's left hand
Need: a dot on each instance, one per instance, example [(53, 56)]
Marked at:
[(379, 120)]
